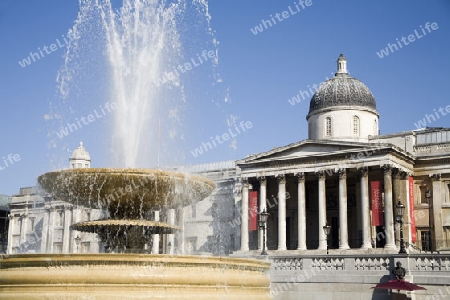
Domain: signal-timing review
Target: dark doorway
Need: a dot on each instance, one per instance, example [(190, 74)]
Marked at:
[(334, 243), (381, 237), (288, 233)]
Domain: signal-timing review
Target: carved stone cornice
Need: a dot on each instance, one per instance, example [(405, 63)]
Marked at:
[(281, 178), (300, 176), (435, 177)]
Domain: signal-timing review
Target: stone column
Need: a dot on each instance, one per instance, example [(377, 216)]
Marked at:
[(23, 228), (45, 233), (262, 207), (51, 227), (322, 210), (181, 249), (388, 208), (365, 213), (404, 197), (155, 236), (437, 200), (281, 212), (11, 229), (244, 216), (343, 221), (171, 236), (395, 199), (408, 208), (301, 210), (68, 211)]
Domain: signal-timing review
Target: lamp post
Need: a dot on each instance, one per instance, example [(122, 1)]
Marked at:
[(400, 211), (263, 216), (77, 242), (327, 230), (428, 196)]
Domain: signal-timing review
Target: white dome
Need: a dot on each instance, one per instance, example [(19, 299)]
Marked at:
[(343, 108), (80, 158)]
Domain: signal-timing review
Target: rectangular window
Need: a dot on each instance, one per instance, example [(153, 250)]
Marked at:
[(425, 240), (60, 222), (328, 126), (57, 248), (85, 247), (355, 125), (447, 197), (32, 221), (423, 194)]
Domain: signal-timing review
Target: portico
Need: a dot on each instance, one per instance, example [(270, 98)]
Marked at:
[(304, 186)]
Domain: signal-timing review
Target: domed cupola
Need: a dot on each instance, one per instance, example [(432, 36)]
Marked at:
[(80, 158), (342, 108)]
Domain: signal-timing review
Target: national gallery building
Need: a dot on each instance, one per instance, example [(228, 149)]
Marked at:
[(350, 178)]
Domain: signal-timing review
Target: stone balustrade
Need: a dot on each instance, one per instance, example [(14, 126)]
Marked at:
[(354, 274)]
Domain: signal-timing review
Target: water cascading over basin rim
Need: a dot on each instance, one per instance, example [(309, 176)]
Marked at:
[(151, 227), (128, 188)]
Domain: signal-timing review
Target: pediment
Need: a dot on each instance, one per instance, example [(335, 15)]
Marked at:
[(311, 148)]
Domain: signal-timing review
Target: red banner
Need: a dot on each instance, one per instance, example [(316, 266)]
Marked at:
[(253, 210), (411, 209), (377, 205)]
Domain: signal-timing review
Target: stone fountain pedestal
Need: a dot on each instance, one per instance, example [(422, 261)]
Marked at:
[(132, 276)]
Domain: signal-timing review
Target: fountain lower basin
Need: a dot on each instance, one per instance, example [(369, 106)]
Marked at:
[(132, 276)]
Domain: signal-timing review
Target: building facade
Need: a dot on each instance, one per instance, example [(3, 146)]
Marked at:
[(211, 225), (4, 222), (348, 177), (38, 223)]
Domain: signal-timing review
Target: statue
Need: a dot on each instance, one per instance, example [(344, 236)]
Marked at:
[(399, 271)]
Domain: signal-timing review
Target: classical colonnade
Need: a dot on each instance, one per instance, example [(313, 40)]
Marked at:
[(322, 210)]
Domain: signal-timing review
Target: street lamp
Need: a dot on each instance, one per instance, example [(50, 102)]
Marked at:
[(327, 230), (400, 211), (263, 216), (428, 196), (77, 242)]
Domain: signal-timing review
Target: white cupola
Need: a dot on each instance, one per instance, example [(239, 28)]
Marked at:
[(80, 158), (343, 108)]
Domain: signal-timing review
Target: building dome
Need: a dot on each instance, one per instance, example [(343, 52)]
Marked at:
[(342, 108), (80, 158), (342, 90)]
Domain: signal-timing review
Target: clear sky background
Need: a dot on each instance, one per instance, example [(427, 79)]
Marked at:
[(259, 74)]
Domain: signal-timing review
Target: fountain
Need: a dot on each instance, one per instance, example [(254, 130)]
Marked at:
[(129, 275), (141, 42)]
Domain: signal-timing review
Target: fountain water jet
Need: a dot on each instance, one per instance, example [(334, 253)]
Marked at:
[(142, 42)]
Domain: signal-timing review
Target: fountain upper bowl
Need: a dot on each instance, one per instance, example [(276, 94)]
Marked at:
[(128, 189)]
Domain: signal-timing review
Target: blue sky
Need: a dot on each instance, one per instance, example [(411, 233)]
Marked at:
[(259, 74)]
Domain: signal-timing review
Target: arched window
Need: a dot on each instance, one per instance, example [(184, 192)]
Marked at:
[(355, 125), (375, 127), (328, 126)]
